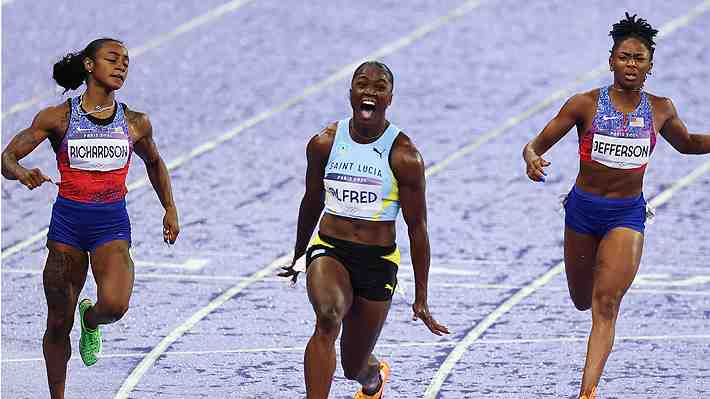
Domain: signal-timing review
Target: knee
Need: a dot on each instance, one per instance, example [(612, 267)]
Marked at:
[(59, 325), (606, 305), (328, 319)]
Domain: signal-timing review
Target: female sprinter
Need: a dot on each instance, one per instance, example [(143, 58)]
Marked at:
[(361, 170), (93, 137), (605, 211)]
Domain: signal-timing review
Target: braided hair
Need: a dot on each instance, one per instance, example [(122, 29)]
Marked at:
[(384, 68), (69, 72), (631, 27)]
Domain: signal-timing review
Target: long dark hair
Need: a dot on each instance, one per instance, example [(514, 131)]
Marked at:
[(69, 72)]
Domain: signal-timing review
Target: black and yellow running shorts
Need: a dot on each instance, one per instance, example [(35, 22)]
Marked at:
[(372, 268)]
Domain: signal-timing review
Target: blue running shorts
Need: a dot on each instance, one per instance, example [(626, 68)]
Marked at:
[(591, 214), (88, 225)]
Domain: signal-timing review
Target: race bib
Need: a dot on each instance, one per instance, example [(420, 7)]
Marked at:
[(621, 152), (98, 154), (352, 195)]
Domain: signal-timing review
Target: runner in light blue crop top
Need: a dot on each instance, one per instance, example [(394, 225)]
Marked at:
[(359, 182)]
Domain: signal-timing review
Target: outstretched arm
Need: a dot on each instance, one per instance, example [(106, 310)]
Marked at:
[(24, 143), (408, 168), (675, 132), (569, 115), (157, 173)]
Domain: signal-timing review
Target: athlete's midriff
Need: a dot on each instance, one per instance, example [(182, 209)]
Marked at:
[(608, 182), (380, 233)]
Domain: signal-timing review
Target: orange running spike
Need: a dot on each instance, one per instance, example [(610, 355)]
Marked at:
[(591, 395), (384, 374)]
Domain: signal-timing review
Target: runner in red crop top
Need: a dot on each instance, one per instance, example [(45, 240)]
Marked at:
[(605, 211), (94, 138), (94, 155)]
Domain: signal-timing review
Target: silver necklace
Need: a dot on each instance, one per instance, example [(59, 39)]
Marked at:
[(97, 109)]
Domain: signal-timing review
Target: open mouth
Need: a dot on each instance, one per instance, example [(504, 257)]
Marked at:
[(630, 75), (367, 108)]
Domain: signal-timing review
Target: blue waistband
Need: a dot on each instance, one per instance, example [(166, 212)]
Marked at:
[(598, 199), (90, 205)]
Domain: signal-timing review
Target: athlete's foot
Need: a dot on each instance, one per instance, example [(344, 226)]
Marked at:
[(90, 341), (379, 394), (591, 395)]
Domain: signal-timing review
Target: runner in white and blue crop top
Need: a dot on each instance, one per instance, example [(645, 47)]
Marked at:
[(605, 210), (362, 171)]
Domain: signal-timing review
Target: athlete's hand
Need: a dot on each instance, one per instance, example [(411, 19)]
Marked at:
[(291, 270), (32, 178), (171, 227), (421, 311), (535, 169)]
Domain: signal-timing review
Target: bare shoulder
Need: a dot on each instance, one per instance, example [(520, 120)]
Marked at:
[(53, 119), (661, 104), (138, 122), (321, 143), (405, 154), (585, 99)]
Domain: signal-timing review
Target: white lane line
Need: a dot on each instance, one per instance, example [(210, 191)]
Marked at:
[(151, 44), (342, 73), (668, 280), (186, 326), (196, 22), (191, 264), (440, 269), (661, 198), (633, 290), (165, 276), (413, 344), (15, 248), (281, 281)]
